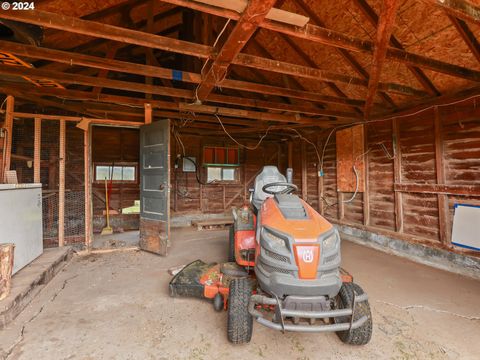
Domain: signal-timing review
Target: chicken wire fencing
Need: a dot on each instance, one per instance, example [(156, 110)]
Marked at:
[(22, 162)]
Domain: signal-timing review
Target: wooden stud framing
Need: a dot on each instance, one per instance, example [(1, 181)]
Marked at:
[(443, 213), (87, 187), (397, 170), (366, 195), (37, 143), (61, 185), (303, 154), (8, 139), (148, 114)]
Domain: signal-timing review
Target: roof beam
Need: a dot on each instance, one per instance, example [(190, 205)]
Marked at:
[(165, 91), (459, 8), (181, 106), (467, 35), (336, 39), (372, 17), (282, 67), (59, 56), (246, 26), (354, 64), (309, 32), (384, 31)]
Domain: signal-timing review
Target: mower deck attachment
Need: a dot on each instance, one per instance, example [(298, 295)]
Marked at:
[(187, 281)]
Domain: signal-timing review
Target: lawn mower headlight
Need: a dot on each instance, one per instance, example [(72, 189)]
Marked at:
[(274, 240), (330, 242)]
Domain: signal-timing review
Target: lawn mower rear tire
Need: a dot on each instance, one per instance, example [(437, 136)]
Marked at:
[(363, 334), (240, 322)]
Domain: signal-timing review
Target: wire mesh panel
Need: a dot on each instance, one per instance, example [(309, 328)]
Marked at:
[(22, 149), (74, 220)]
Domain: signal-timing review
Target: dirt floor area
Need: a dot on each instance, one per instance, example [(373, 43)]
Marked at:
[(117, 306)]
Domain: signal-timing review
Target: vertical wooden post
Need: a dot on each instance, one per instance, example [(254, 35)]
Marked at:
[(9, 127), (397, 170), (304, 172), (61, 186), (341, 205), (223, 192), (321, 208), (37, 150), (290, 154), (443, 212), (366, 197), (148, 113), (87, 187)]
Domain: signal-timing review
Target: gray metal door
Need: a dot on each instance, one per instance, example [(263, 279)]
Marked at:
[(155, 187)]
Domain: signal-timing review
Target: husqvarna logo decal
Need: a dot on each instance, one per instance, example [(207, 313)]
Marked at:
[(307, 255)]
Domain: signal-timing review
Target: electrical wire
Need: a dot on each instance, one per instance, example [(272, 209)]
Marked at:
[(239, 144)]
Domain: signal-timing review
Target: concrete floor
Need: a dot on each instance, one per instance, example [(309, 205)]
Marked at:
[(116, 306), (116, 240)]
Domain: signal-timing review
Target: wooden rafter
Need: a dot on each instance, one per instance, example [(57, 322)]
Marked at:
[(283, 67), (162, 73), (103, 73), (384, 31), (246, 26), (459, 8), (349, 58), (142, 39), (372, 17), (165, 105), (165, 91), (467, 35), (336, 39)]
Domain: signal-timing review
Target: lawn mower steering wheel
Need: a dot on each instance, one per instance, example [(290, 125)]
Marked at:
[(289, 188)]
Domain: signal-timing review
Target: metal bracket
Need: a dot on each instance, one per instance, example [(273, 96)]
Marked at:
[(278, 311), (353, 310)]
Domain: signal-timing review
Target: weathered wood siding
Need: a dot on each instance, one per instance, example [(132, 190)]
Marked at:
[(427, 155), (189, 196)]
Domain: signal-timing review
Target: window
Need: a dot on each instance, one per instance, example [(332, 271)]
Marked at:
[(222, 174), (221, 156), (118, 173)]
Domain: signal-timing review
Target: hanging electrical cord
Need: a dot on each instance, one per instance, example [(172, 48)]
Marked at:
[(239, 144), (197, 100)]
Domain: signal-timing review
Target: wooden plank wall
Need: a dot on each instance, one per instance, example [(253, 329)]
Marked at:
[(438, 147), (114, 145), (189, 196)]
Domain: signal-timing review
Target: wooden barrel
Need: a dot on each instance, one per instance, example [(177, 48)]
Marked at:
[(6, 267)]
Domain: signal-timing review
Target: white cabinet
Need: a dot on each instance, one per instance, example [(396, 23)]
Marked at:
[(21, 221)]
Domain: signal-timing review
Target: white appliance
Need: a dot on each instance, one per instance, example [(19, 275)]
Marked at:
[(21, 221), (466, 226)]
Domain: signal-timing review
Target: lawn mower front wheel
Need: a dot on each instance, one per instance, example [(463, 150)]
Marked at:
[(240, 322), (345, 298)]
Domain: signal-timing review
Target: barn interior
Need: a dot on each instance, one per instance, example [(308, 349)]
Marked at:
[(371, 103)]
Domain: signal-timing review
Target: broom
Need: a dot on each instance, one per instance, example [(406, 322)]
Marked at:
[(107, 230)]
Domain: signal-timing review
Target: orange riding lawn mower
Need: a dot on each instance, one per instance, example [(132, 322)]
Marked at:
[(283, 270)]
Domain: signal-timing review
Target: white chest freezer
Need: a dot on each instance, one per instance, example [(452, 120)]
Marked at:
[(21, 221)]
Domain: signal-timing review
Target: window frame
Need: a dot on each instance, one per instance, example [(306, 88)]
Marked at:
[(119, 164), (236, 170)]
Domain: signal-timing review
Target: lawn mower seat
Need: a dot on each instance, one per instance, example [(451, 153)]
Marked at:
[(269, 174)]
